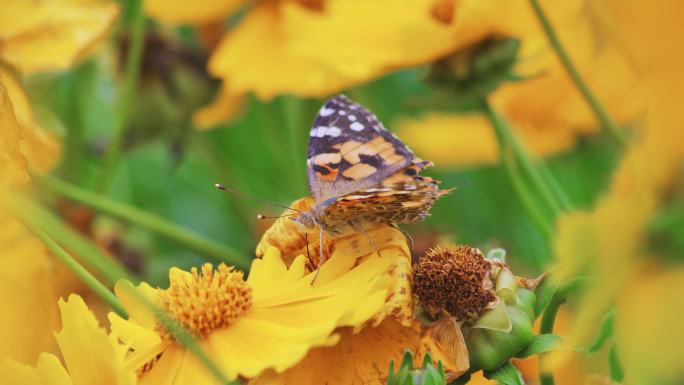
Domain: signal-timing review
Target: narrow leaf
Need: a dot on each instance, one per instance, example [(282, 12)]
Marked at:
[(604, 333), (545, 292), (616, 373), (507, 374), (541, 343)]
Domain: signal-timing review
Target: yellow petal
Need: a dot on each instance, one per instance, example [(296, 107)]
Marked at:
[(344, 252), (89, 354), (137, 311), (197, 12), (361, 358), (51, 372), (649, 333), (348, 36), (52, 35), (25, 262), (41, 147), (13, 163), (226, 106), (15, 373), (254, 57)]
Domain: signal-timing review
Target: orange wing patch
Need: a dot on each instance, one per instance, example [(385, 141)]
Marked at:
[(359, 171)]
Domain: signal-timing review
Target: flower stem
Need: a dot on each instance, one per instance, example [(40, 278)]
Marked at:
[(146, 220), (604, 118), (34, 224), (127, 96), (508, 144), (88, 252)]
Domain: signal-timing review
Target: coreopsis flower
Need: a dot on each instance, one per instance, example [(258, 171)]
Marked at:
[(544, 108), (313, 48), (268, 321), (609, 240), (90, 355), (363, 352)]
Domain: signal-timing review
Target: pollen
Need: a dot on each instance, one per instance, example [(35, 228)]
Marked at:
[(206, 301), (454, 279)]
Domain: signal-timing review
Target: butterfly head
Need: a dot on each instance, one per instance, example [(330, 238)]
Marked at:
[(306, 219)]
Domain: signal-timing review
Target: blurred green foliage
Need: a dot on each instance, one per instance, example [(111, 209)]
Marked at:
[(169, 168)]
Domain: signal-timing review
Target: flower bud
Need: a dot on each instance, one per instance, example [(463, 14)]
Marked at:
[(501, 332)]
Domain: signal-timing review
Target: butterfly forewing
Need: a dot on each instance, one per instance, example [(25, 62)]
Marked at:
[(350, 150)]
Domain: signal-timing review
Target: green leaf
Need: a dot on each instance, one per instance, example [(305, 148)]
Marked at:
[(541, 343), (545, 292), (506, 374), (616, 373), (604, 333)]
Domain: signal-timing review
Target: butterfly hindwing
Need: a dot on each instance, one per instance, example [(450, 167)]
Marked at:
[(350, 150)]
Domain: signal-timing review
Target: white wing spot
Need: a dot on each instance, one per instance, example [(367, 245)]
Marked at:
[(356, 126), (322, 131), (333, 131), (342, 112), (326, 111), (352, 117)]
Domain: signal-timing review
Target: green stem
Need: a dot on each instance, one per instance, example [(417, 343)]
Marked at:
[(549, 319), (146, 220), (604, 118), (127, 96), (558, 192), (34, 224), (506, 145), (546, 327), (87, 251), (521, 189)]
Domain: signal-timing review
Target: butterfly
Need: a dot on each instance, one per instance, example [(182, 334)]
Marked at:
[(359, 172)]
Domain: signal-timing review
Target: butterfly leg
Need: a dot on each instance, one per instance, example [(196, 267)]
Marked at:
[(308, 253), (370, 240), (408, 236), (321, 256)]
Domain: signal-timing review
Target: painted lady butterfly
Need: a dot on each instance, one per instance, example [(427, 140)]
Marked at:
[(360, 172)]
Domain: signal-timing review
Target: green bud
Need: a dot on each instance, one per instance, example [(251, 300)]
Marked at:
[(427, 374), (474, 72), (489, 346)]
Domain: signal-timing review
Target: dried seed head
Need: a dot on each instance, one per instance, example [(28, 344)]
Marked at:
[(455, 279)]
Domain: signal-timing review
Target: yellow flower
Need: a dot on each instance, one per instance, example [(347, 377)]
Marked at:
[(315, 48), (546, 110), (52, 35), (34, 36), (363, 353), (27, 297), (268, 321), (608, 241), (90, 355)]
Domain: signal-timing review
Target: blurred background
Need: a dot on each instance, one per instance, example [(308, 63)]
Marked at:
[(143, 106)]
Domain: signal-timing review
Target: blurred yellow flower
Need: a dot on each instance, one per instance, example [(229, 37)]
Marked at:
[(363, 353), (609, 240), (34, 36), (90, 355), (546, 109), (268, 321), (52, 35), (314, 48), (28, 331)]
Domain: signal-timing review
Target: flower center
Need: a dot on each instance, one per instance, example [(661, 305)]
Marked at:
[(205, 301), (453, 279)]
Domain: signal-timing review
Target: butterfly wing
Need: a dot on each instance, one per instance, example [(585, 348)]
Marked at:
[(350, 150), (404, 197)]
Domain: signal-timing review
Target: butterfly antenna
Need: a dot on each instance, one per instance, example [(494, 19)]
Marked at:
[(261, 216), (226, 189)]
